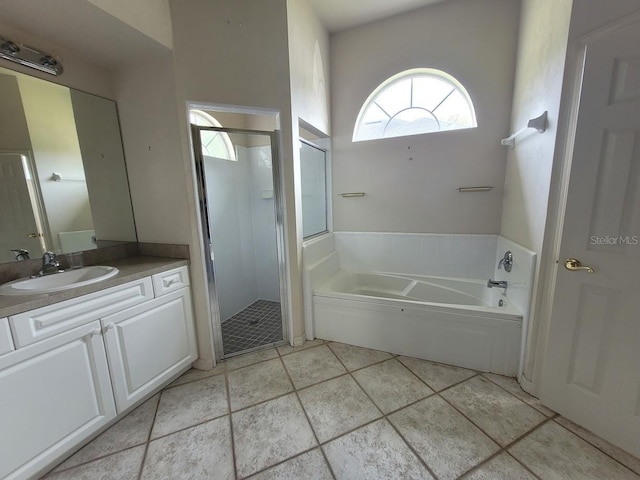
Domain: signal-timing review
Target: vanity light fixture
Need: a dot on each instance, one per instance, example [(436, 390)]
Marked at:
[(28, 56)]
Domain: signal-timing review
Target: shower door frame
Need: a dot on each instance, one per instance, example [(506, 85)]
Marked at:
[(203, 209)]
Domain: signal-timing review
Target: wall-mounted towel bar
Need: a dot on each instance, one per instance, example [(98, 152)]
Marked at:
[(539, 123), (352, 194), (474, 189)]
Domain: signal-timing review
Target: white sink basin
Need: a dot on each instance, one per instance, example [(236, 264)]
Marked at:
[(58, 281)]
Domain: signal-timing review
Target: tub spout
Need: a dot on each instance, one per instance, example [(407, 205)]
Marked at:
[(497, 283)]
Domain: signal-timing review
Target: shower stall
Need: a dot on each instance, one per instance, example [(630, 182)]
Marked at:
[(240, 205)]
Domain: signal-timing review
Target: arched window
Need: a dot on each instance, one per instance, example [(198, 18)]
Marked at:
[(214, 144), (420, 100)]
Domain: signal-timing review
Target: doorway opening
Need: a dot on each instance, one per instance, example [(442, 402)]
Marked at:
[(241, 214)]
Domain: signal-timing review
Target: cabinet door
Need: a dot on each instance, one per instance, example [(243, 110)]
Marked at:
[(149, 344), (54, 394)]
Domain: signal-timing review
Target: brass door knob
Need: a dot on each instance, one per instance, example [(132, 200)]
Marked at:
[(574, 265)]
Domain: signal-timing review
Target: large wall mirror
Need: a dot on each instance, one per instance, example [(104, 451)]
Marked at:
[(63, 180)]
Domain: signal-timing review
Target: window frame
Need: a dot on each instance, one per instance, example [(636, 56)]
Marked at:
[(211, 121), (403, 76)]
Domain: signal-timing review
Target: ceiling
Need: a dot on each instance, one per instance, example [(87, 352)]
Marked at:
[(339, 15)]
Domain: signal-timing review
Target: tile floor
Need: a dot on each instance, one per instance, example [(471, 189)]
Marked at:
[(258, 324), (329, 410)]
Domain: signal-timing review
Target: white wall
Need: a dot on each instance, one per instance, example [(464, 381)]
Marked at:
[(538, 86), (245, 45), (151, 17), (309, 76), (230, 216), (473, 40), (264, 223), (79, 72)]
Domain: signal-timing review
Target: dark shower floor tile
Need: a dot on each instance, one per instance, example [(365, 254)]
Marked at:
[(258, 324)]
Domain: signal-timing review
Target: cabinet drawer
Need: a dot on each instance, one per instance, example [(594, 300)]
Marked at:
[(6, 343), (170, 281), (35, 325)]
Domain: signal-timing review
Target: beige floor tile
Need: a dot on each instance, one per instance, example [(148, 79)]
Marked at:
[(357, 357), (501, 467), (447, 442), (312, 366), (124, 465), (250, 358), (554, 453), (189, 404), (257, 383), (438, 376), (337, 406), (501, 415), (195, 374), (391, 386), (623, 457), (199, 453), (510, 384), (287, 349), (269, 433), (374, 452), (132, 430), (308, 466)]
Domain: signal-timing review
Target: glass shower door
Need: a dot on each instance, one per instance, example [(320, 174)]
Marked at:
[(241, 218)]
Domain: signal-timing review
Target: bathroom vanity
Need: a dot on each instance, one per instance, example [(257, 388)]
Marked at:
[(72, 366)]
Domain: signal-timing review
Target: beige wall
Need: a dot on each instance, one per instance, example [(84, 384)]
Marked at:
[(473, 40), (544, 29), (309, 73)]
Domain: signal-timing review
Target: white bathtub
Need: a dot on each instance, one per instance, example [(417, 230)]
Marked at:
[(454, 321)]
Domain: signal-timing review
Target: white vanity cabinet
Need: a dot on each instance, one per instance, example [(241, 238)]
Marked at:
[(68, 369), (53, 394), (6, 342), (148, 345)]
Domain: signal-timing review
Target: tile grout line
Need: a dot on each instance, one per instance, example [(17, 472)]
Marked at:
[(482, 374), (148, 442), (596, 446), (306, 415), (384, 416), (231, 431), (100, 457)]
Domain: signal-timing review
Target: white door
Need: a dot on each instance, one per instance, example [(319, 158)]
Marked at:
[(591, 371), (53, 395), (18, 228), (148, 345)]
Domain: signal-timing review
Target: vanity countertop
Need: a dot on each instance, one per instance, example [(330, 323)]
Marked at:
[(131, 268)]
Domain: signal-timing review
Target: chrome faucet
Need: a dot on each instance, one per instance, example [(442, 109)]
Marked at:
[(506, 261), (50, 264), (497, 283)]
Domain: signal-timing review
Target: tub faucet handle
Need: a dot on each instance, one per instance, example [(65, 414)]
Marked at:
[(506, 261)]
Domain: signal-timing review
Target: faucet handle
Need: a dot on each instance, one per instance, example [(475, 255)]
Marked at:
[(506, 261)]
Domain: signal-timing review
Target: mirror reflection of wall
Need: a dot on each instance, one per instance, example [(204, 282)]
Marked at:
[(63, 183)]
